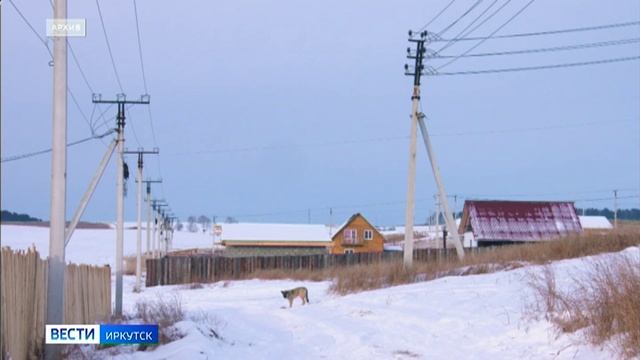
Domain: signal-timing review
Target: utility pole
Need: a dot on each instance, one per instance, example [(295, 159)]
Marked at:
[(171, 220), (417, 119), (148, 201), (140, 152), (159, 204), (121, 101), (57, 221), (615, 209), (331, 222), (411, 178)]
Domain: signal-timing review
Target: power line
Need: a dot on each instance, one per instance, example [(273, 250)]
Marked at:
[(530, 68), (437, 56), (278, 147), (460, 17), (75, 59), (437, 16), (454, 41), (35, 153), (144, 80), (106, 39), (144, 77), (44, 42), (532, 129), (540, 33), (490, 35), (46, 45), (402, 138), (469, 25)]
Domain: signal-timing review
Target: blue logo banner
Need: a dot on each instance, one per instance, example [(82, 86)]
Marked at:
[(128, 334)]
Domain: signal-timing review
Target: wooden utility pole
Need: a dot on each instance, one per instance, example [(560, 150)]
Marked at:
[(57, 221), (121, 101), (140, 153)]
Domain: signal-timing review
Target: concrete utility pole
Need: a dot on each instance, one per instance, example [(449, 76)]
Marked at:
[(140, 153), (56, 263), (411, 178), (87, 195), (121, 101), (417, 119), (615, 209), (148, 201), (450, 223), (157, 228)]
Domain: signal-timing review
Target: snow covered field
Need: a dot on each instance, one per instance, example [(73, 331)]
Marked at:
[(472, 317), (94, 246)]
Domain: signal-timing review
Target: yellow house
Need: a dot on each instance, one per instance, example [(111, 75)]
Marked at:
[(356, 235)]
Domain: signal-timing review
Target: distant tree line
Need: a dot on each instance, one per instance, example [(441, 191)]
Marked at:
[(11, 216), (204, 221), (623, 214)]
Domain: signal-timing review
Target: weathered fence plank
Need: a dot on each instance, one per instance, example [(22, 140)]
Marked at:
[(203, 268), (23, 304)]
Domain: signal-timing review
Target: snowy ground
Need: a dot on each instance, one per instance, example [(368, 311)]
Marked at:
[(471, 317), (94, 246)]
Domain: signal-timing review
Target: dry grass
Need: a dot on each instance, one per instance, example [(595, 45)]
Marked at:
[(373, 276), (165, 311), (605, 302)]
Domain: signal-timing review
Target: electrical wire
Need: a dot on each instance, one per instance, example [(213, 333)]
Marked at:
[(453, 41), (437, 16), (42, 40), (144, 77), (468, 26), (490, 35), (106, 39), (46, 45), (144, 80), (40, 152), (531, 68), (401, 138), (541, 33), (460, 17), (437, 56)]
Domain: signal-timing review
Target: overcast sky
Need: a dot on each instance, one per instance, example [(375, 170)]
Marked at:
[(265, 109)]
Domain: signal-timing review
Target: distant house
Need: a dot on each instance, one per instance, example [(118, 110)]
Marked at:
[(248, 239), (356, 235), (595, 224), (497, 222)]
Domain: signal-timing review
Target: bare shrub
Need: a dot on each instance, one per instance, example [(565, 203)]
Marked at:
[(605, 301), (165, 310), (207, 324)]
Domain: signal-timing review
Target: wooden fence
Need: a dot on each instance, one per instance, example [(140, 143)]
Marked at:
[(204, 268), (23, 300)]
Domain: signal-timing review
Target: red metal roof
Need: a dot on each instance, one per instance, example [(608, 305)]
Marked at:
[(496, 220)]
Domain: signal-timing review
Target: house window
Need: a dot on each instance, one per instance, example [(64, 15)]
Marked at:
[(348, 251), (350, 237), (368, 234)]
